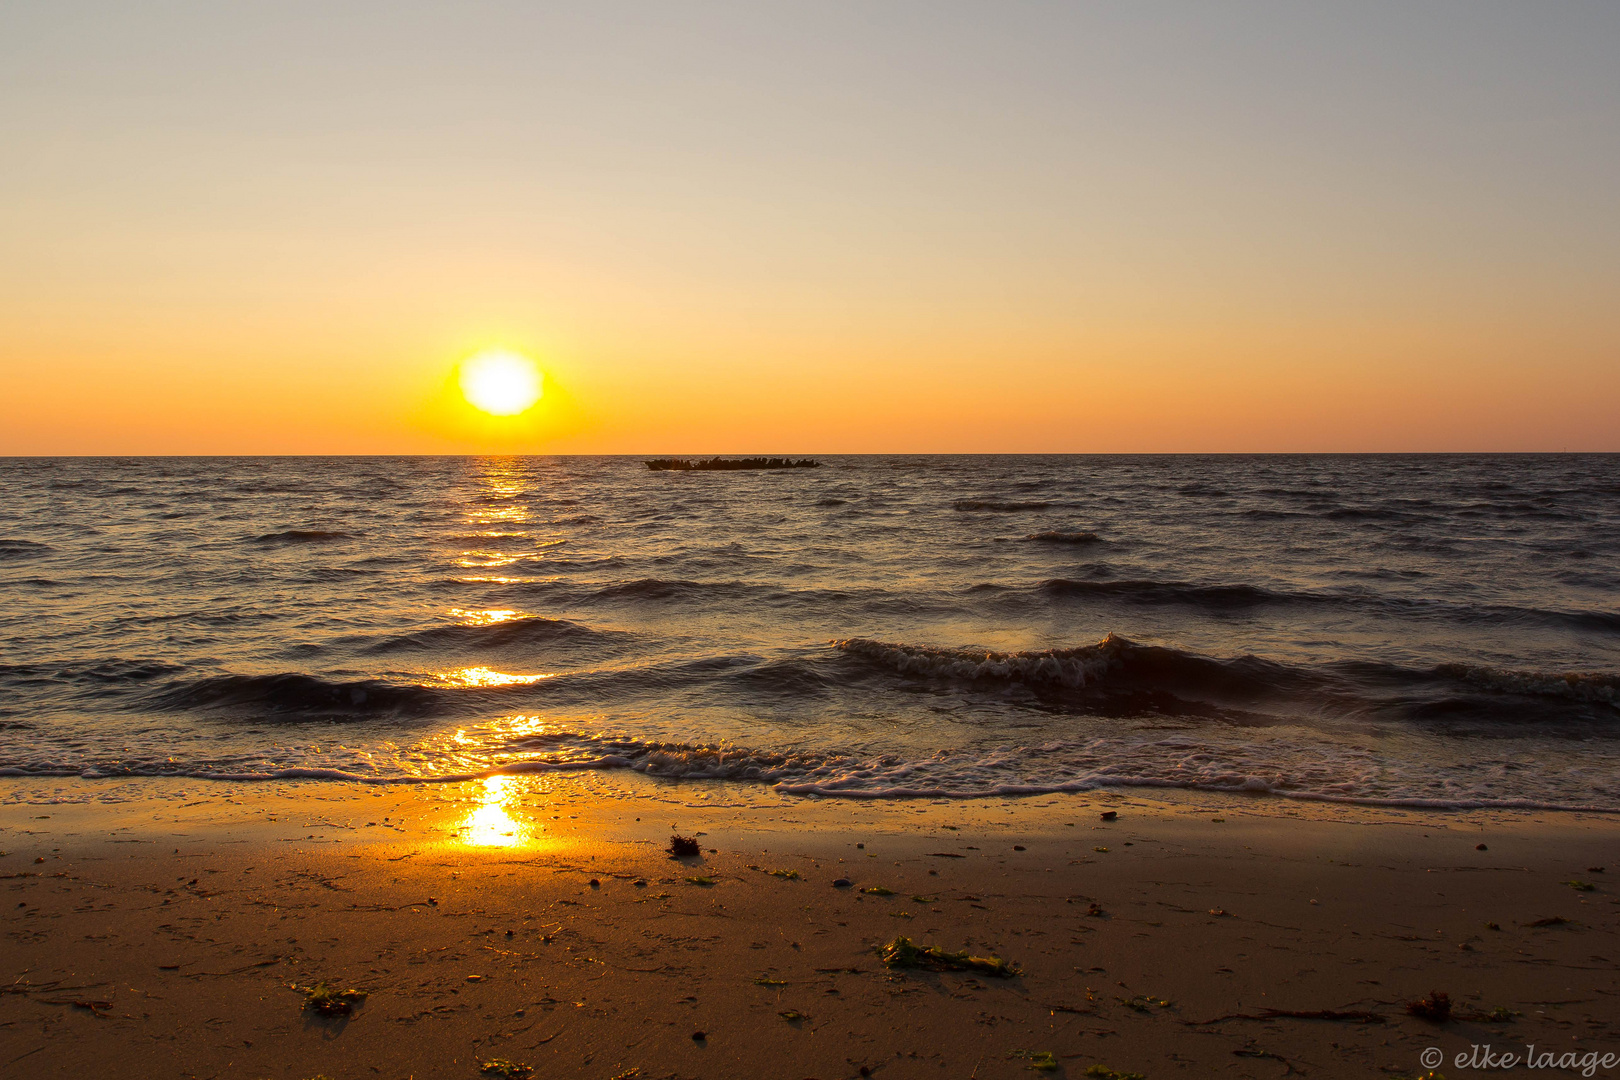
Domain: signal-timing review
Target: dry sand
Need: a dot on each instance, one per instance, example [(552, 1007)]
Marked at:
[(155, 930)]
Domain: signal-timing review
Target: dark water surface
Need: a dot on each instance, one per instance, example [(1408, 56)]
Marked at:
[(1411, 629)]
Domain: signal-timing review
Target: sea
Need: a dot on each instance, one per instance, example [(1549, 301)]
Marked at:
[(1423, 631)]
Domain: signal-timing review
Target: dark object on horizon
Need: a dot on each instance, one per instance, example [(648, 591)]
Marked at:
[(729, 464), (1436, 1007), (680, 846)]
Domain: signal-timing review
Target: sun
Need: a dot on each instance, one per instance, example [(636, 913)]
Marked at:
[(500, 383)]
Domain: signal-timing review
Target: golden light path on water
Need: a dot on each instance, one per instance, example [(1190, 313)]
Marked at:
[(493, 821), (490, 823), (483, 676), (488, 617)]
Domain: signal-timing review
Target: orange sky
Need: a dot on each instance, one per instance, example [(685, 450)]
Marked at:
[(719, 229)]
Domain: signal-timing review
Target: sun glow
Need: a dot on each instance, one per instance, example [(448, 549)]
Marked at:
[(490, 823), (483, 676), (500, 383)]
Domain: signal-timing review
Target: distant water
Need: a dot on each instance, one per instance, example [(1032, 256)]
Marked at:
[(1428, 630)]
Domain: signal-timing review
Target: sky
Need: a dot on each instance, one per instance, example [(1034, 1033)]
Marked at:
[(810, 228)]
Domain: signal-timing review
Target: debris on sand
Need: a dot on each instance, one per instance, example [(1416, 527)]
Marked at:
[(326, 1000), (1556, 920), (792, 1016), (703, 881), (902, 952), (842, 883), (1581, 886), (1110, 815), (1103, 1072), (1499, 1015), (1352, 1016), (878, 890), (1145, 1002), (1435, 1007), (506, 1070), (684, 846), (1039, 1060)]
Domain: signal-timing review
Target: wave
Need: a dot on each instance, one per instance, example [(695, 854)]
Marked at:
[(1054, 537), (293, 694), (1592, 687), (1178, 682), (1176, 592), (659, 589), (102, 674), (1304, 773), (1065, 667), (994, 506), (22, 549), (1241, 595), (530, 630), (299, 536)]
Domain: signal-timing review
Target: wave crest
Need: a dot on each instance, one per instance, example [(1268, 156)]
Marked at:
[(1066, 667), (996, 506), (22, 549), (297, 695), (299, 536), (1052, 536)]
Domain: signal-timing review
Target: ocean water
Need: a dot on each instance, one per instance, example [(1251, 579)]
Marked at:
[(1394, 630)]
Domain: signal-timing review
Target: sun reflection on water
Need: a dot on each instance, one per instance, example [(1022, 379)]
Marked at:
[(483, 676), (488, 617), (490, 823)]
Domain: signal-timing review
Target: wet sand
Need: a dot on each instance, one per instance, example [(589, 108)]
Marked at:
[(157, 930)]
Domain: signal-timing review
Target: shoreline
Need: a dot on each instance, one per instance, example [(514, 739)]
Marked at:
[(177, 913), (1153, 790)]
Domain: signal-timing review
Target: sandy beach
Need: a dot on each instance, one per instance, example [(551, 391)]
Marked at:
[(165, 928)]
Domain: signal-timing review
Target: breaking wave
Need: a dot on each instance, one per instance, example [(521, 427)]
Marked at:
[(1182, 682), (1343, 774)]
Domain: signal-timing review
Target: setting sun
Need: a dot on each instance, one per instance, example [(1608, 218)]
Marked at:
[(500, 383)]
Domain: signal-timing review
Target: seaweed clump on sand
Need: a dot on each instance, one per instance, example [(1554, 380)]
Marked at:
[(1435, 1007), (902, 952), (506, 1070), (730, 464), (327, 1000), (684, 846)]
